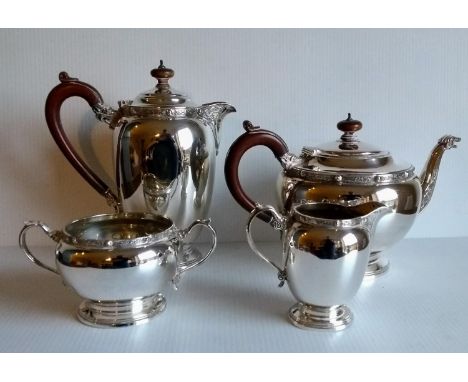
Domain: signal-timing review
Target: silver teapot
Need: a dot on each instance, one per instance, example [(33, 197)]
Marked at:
[(326, 250), (165, 147), (348, 172)]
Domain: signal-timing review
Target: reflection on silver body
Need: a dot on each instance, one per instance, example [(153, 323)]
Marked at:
[(350, 172), (165, 151), (326, 249), (164, 147), (166, 168), (403, 199), (119, 263)]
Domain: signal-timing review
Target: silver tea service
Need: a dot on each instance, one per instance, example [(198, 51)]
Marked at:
[(326, 249), (119, 263)]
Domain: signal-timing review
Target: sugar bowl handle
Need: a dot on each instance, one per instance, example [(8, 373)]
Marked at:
[(278, 222), (183, 266), (254, 136), (54, 235), (71, 87)]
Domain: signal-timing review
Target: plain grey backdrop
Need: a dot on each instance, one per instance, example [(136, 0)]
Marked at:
[(408, 87)]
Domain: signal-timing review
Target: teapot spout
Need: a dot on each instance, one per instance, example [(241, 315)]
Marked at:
[(212, 114), (429, 174)]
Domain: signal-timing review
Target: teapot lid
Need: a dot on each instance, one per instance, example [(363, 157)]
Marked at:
[(349, 160), (162, 94)]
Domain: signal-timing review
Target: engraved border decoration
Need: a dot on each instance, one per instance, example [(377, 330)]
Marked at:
[(354, 178)]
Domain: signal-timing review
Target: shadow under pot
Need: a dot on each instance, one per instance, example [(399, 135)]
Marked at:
[(326, 249), (346, 171), (119, 263)]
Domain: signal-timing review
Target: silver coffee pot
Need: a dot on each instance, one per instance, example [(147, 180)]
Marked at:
[(164, 147), (346, 171)]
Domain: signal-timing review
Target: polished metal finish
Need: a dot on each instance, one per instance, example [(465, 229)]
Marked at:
[(126, 230), (164, 147), (313, 174), (120, 260), (403, 199), (351, 173), (377, 265), (326, 249), (401, 190), (346, 171), (165, 152), (103, 113), (306, 316), (166, 167), (165, 157), (431, 170), (105, 314)]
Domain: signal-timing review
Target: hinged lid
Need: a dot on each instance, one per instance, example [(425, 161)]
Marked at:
[(349, 160), (162, 95)]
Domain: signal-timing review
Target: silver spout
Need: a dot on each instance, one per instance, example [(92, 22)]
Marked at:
[(212, 114), (429, 174)]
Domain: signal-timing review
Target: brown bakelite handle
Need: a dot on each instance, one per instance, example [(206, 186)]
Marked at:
[(253, 136), (71, 87)]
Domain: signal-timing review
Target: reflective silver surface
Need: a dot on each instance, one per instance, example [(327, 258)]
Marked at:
[(166, 167), (119, 263), (350, 172), (326, 249), (165, 151), (103, 314), (306, 316), (164, 147), (403, 199)]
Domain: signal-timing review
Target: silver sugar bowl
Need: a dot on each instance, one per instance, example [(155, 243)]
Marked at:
[(119, 263), (326, 248)]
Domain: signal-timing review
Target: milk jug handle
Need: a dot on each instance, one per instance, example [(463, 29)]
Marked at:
[(71, 87), (254, 136), (54, 235), (278, 223)]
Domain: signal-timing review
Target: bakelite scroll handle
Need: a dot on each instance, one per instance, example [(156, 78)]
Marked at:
[(254, 136), (71, 87)]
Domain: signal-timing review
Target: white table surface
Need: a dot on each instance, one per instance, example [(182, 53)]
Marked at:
[(232, 304)]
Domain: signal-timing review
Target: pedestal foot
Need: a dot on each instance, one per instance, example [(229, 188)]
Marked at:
[(105, 314), (307, 316)]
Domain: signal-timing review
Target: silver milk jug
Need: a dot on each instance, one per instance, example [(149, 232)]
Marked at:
[(326, 248), (164, 147)]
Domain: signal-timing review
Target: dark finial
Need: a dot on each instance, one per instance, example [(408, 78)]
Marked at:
[(161, 73), (349, 125)]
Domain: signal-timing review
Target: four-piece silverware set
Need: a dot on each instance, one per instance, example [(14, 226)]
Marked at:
[(341, 205)]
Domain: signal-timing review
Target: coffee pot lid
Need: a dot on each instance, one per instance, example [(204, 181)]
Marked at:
[(348, 157), (162, 94)]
